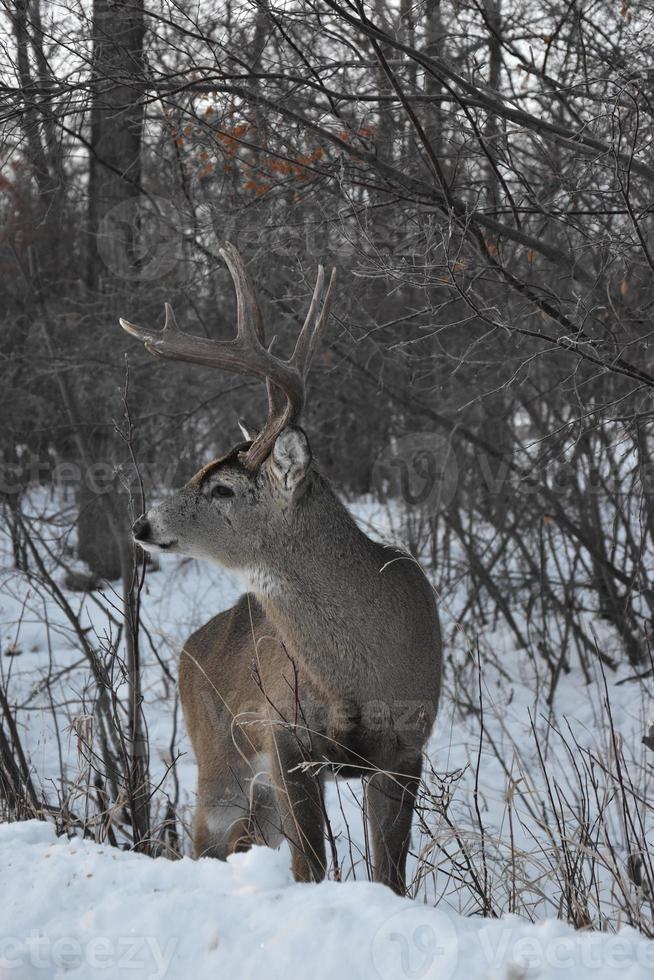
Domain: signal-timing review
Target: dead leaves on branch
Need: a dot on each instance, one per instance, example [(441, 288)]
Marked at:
[(239, 151)]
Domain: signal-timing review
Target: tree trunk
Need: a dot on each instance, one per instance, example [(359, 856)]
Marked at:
[(98, 517), (116, 133), (113, 220)]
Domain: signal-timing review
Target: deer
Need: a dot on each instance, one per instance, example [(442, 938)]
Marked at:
[(329, 665)]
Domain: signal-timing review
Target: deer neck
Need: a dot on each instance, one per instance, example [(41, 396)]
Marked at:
[(303, 579)]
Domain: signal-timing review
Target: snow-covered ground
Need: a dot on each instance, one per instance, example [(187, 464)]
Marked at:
[(520, 800), (73, 908)]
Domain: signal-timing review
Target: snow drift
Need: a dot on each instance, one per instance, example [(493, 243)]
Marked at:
[(76, 909)]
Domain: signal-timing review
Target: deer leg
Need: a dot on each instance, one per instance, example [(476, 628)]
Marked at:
[(220, 830), (299, 807), (390, 802), (222, 822), (263, 805)]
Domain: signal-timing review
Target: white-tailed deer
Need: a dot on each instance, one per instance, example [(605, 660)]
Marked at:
[(331, 663)]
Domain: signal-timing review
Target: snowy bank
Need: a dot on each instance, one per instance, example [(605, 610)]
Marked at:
[(77, 909)]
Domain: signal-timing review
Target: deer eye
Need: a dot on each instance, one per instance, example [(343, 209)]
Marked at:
[(220, 490)]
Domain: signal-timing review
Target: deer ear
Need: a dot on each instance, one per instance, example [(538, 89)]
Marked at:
[(291, 457)]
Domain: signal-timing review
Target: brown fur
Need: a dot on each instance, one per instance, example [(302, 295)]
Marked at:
[(333, 666)]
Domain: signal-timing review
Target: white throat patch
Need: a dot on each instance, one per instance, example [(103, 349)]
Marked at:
[(259, 580)]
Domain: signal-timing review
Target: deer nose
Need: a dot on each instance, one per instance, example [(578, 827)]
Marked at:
[(141, 528)]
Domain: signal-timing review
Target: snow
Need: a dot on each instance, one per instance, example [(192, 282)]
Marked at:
[(80, 908), (76, 909)]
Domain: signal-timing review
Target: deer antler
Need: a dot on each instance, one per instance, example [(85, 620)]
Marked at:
[(247, 352)]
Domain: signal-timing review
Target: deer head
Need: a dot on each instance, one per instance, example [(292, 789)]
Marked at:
[(236, 506)]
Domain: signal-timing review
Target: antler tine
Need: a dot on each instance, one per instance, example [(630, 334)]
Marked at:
[(249, 317), (170, 324), (305, 347), (276, 397), (247, 352), (310, 335), (153, 337), (304, 337), (249, 322), (141, 333)]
